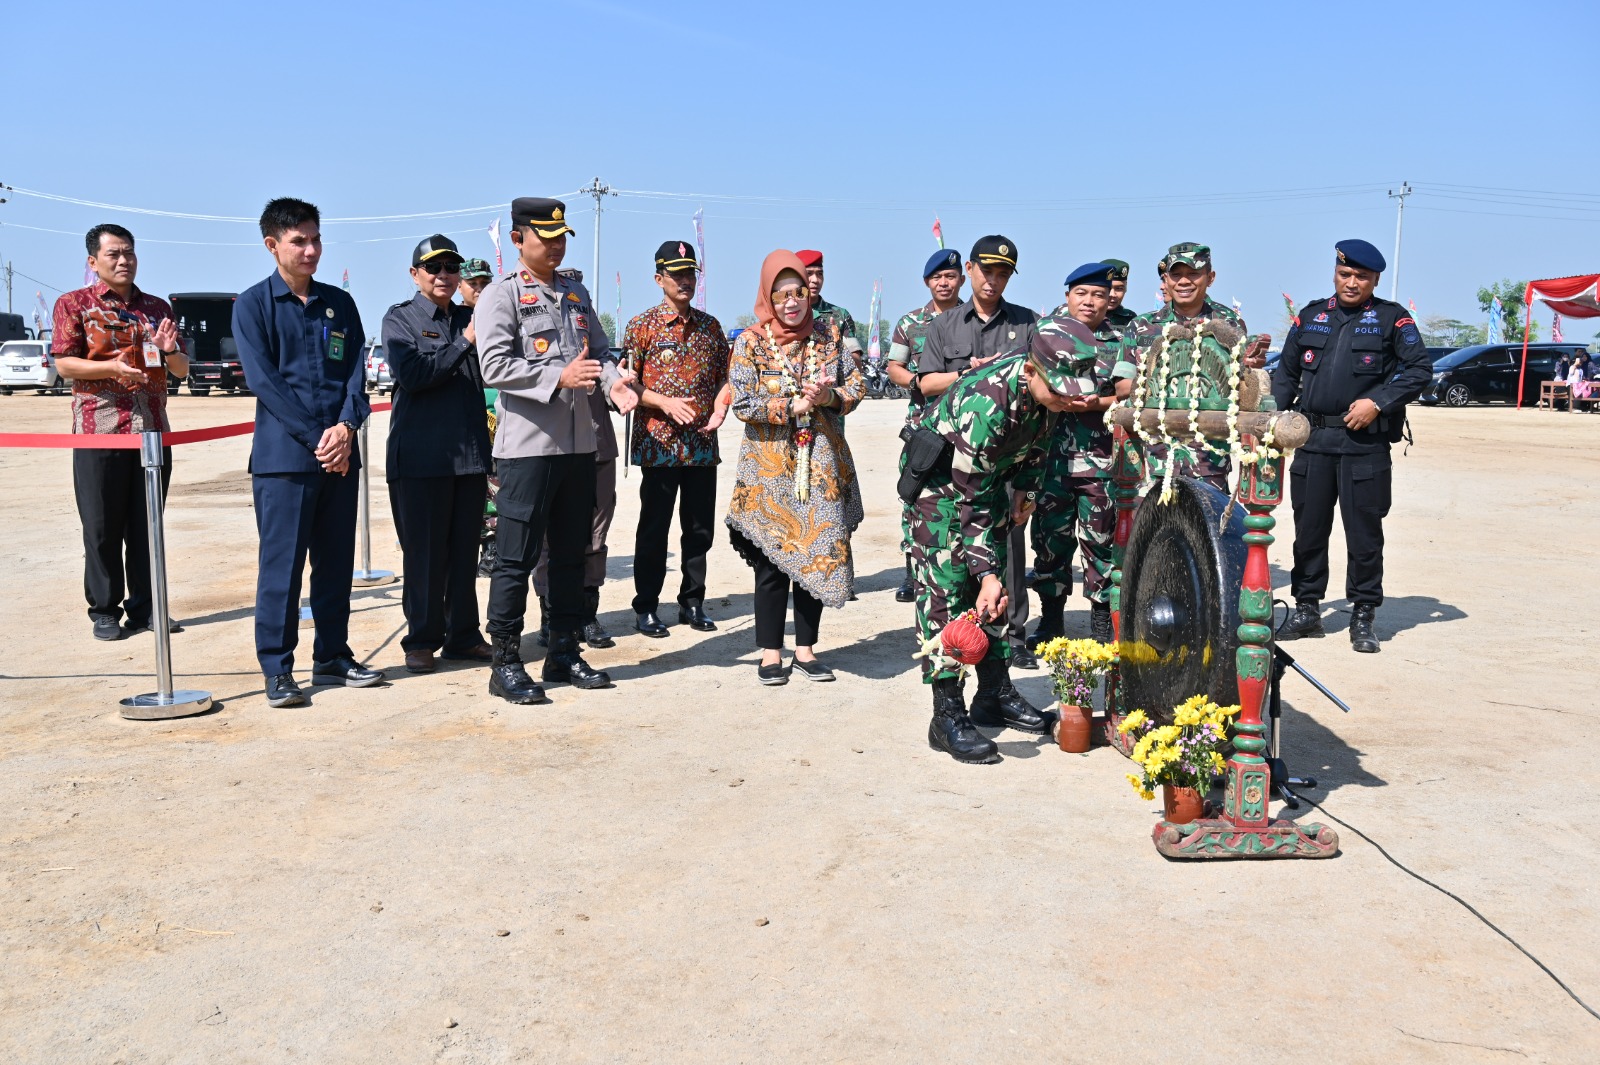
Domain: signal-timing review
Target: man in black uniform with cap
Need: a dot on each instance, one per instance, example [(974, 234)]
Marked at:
[(438, 459), (1350, 363), (970, 336)]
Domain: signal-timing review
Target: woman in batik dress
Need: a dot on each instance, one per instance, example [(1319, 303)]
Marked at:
[(795, 497)]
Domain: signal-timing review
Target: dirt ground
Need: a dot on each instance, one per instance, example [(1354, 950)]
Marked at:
[(690, 867)]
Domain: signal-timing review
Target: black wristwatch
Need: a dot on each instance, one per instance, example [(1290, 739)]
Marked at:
[(350, 425)]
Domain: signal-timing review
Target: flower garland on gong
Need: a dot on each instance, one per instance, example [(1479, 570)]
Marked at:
[(802, 424), (1161, 363)]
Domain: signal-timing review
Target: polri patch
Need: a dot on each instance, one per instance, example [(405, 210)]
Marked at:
[(528, 298), (541, 345)]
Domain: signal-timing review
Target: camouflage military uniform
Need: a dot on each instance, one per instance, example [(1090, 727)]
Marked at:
[(961, 520), (823, 312), (1117, 322), (905, 346), (1074, 506), (1138, 341)]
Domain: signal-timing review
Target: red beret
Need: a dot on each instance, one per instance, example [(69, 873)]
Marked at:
[(809, 257)]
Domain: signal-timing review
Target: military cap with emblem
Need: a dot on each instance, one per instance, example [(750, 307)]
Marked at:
[(435, 247), (994, 250), (471, 268), (1101, 274), (1186, 254), (809, 257), (1360, 253), (675, 255), (948, 259), (1055, 365), (547, 217), (1119, 269)]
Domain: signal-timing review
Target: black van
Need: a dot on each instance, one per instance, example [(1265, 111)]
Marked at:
[(1487, 372), (14, 327), (205, 322)]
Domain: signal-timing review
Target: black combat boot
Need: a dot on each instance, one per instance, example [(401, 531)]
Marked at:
[(1362, 638), (953, 732), (1100, 622), (564, 665), (544, 623), (594, 633), (1052, 620), (998, 705), (1304, 623), (907, 592), (507, 677)]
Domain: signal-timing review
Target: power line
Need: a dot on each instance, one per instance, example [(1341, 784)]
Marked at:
[(190, 216)]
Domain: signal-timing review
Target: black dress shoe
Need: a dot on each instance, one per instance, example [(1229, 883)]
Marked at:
[(346, 671), (651, 625), (564, 665), (108, 629), (772, 676), (694, 616), (1362, 638), (283, 691), (1022, 658), (813, 670), (1304, 623)]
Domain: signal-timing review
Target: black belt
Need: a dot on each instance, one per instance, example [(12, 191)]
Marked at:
[(1325, 421)]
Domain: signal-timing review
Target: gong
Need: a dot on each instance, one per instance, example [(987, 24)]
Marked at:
[(1181, 574)]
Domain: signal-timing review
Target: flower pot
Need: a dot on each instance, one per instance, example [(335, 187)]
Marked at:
[(1181, 805), (1075, 730)]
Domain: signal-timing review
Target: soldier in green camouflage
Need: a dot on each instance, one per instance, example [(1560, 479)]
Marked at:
[(1187, 275), (823, 312), (990, 431), (942, 275), (1074, 504), (1118, 317)]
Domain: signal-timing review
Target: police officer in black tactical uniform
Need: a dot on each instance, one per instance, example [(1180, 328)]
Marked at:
[(1351, 363)]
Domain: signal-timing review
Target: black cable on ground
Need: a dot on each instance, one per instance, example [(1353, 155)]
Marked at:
[(1562, 984)]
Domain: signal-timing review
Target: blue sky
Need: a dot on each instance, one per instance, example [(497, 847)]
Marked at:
[(1079, 132)]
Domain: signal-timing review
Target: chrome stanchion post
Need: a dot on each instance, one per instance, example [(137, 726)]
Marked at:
[(366, 575), (165, 702)]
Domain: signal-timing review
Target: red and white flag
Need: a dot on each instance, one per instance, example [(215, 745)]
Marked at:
[(938, 232)]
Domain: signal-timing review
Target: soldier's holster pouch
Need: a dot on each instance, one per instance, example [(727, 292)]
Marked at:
[(925, 454)]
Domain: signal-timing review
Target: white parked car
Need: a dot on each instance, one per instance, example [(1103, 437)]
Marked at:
[(29, 364), (377, 369)]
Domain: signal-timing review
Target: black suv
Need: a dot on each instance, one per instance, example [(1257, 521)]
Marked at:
[(205, 322), (1490, 371)]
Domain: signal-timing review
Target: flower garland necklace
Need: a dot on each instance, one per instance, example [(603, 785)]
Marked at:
[(802, 423)]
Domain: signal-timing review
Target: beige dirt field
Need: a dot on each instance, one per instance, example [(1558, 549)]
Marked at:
[(692, 868)]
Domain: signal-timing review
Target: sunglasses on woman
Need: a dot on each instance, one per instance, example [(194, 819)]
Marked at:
[(442, 268), (799, 295)]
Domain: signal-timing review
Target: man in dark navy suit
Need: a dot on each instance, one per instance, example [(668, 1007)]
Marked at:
[(300, 345)]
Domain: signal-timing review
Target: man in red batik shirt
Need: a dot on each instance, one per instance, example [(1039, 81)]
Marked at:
[(116, 345)]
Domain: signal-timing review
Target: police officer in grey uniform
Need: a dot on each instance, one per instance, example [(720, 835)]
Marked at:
[(539, 342)]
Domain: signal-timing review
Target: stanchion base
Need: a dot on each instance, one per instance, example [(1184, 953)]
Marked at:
[(366, 578), (155, 707), (1213, 837)]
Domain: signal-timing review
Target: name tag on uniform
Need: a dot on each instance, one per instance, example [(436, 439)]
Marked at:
[(430, 336), (336, 347), (152, 354)]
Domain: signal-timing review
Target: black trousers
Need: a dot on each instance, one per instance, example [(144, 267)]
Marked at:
[(109, 486), (1360, 485), (300, 515), (542, 498), (438, 520), (772, 604), (694, 488)]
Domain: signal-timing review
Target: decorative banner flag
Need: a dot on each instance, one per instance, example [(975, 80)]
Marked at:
[(1555, 330), (938, 232), (1497, 316), (38, 316), (1413, 305), (874, 337), (1236, 307), (494, 235), (346, 285), (700, 245), (1288, 304)]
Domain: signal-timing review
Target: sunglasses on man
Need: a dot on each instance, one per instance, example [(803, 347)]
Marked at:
[(442, 268)]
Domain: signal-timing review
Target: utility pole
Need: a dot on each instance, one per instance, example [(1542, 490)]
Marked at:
[(598, 191), (8, 287), (1399, 222)]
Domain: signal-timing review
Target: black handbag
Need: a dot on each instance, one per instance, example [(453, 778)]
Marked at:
[(925, 454)]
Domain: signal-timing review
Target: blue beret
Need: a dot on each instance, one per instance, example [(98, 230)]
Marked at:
[(1092, 274), (1360, 253), (948, 259)]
